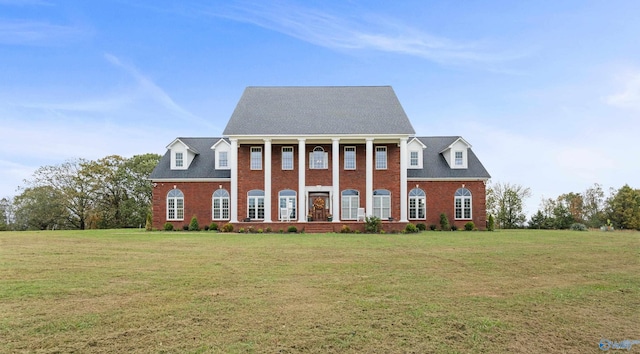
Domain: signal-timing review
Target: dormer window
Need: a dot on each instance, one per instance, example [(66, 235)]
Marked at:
[(415, 148), (459, 161), (223, 159), (222, 149), (181, 154), (179, 159), (413, 158)]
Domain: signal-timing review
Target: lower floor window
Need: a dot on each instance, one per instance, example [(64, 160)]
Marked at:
[(463, 203), (350, 204), (220, 205), (255, 205), (417, 204), (382, 203), (287, 202), (175, 205)]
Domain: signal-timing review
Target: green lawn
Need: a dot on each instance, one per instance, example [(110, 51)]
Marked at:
[(128, 291)]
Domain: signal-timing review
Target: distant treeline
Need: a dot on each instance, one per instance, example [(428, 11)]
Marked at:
[(111, 192)]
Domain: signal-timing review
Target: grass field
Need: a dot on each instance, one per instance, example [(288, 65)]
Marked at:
[(130, 291)]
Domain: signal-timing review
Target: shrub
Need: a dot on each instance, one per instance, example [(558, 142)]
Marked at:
[(206, 227), (421, 226), (345, 229), (227, 228), (470, 226), (454, 228), (410, 228), (241, 230), (213, 226), (491, 223), (149, 225), (168, 226), (260, 231), (372, 224), (444, 222), (250, 230), (292, 229), (578, 227), (433, 227), (268, 230), (185, 227), (193, 225)]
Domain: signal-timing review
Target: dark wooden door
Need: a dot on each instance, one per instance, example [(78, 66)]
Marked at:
[(319, 206)]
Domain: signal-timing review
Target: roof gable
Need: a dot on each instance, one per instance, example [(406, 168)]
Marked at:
[(319, 111)]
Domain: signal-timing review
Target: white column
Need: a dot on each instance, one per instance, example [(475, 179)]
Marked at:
[(335, 166), (302, 202), (369, 178), (234, 180), (267, 180), (403, 180)]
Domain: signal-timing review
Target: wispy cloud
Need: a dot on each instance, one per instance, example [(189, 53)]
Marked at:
[(368, 32), (29, 32), (155, 91)]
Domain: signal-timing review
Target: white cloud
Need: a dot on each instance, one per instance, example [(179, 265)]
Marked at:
[(365, 32), (28, 32)]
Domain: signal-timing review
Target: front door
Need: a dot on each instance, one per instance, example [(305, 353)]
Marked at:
[(319, 206)]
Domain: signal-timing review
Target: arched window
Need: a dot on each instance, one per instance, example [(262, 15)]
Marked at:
[(175, 205), (255, 204), (417, 204), (220, 205), (350, 204), (463, 203), (287, 202), (318, 159), (382, 203)]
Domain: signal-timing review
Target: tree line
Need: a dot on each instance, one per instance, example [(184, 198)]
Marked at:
[(111, 192), (590, 208)]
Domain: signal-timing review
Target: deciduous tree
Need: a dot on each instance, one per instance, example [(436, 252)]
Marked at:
[(506, 202)]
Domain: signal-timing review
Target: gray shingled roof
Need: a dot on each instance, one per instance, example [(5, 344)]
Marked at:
[(435, 166), (202, 166), (315, 110)]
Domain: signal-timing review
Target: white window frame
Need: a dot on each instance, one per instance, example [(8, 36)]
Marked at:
[(256, 158), (287, 199), (318, 159), (287, 158), (349, 203), (179, 159), (381, 157), (414, 161), (175, 205), (223, 163), (458, 158), (417, 204), (350, 157), (382, 204), (220, 205), (255, 204), (463, 206)]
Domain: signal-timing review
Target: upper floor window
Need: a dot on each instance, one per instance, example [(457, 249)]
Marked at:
[(179, 159), (220, 205), (349, 157), (223, 159), (463, 203), (256, 158), (175, 205), (318, 159), (413, 159), (287, 158), (458, 158), (381, 157)]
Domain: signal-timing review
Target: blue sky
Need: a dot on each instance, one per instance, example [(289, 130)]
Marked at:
[(547, 92)]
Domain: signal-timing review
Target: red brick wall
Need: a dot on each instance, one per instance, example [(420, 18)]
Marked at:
[(440, 199), (197, 202), (440, 194)]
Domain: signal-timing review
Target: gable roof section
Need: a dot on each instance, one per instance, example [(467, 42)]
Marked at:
[(436, 167), (324, 110), (186, 145), (202, 166)]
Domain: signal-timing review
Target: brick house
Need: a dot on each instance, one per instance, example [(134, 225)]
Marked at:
[(319, 158)]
